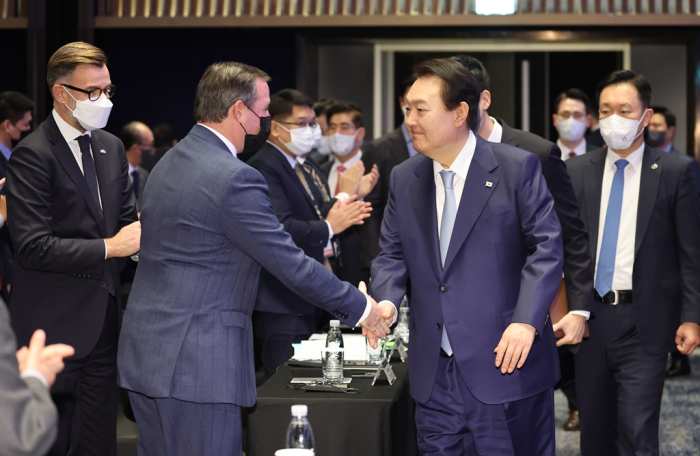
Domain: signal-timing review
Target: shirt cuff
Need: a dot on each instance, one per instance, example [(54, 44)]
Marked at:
[(105, 241), (330, 231), (583, 313), (33, 373), (342, 196), (368, 309)]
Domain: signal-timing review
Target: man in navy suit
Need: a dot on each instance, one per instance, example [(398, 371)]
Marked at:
[(471, 227), (186, 347), (642, 212)]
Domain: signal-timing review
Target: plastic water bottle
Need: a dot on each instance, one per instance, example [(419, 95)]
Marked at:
[(334, 365), (299, 432), (402, 328)]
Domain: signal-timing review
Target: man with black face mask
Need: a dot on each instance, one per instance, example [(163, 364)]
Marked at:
[(186, 346)]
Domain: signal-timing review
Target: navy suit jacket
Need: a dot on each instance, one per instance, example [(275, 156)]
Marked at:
[(666, 271), (295, 211), (504, 265), (207, 229)]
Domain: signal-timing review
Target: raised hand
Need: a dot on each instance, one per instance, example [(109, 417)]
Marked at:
[(514, 347), (343, 215), (349, 181), (368, 182)]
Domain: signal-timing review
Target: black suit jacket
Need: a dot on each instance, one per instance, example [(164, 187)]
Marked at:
[(62, 280), (577, 259), (595, 138), (666, 274), (385, 152), (351, 263), (295, 211)]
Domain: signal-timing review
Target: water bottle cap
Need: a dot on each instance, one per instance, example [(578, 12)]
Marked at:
[(300, 410), (335, 323)]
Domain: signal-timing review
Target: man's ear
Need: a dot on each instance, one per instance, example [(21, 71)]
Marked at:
[(461, 113), (671, 132), (648, 114), (486, 99), (275, 129), (554, 120), (589, 120), (361, 132), (236, 111), (6, 125), (59, 93)]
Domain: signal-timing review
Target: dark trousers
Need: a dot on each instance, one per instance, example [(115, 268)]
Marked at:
[(619, 386), (567, 382), (275, 334), (171, 427), (85, 393), (454, 423)]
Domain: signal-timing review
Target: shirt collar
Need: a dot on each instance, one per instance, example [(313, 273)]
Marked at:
[(461, 164), (634, 159), (68, 131), (406, 134), (6, 151), (667, 148), (291, 160), (223, 138), (131, 168), (578, 150), (356, 158), (497, 132)]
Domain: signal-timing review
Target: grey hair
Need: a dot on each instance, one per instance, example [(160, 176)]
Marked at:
[(223, 84)]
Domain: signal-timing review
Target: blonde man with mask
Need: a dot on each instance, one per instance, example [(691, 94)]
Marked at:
[(572, 119), (72, 213)]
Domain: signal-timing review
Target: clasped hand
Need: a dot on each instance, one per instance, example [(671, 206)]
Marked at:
[(378, 321)]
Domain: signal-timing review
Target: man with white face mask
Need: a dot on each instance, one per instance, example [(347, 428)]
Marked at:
[(309, 213), (642, 211), (572, 119), (72, 214)]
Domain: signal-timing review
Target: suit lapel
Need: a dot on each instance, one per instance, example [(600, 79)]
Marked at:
[(423, 201), (474, 197), (70, 165), (648, 189), (103, 176), (593, 185)]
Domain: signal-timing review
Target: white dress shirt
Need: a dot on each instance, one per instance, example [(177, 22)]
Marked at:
[(497, 132), (71, 135), (460, 166), (333, 173), (624, 257), (223, 138), (565, 151)]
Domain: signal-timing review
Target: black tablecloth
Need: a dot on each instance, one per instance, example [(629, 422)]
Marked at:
[(378, 421)]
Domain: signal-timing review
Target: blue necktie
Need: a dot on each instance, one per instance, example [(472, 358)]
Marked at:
[(608, 248), (449, 214)]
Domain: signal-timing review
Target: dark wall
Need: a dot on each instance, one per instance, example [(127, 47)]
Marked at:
[(13, 72), (157, 70)]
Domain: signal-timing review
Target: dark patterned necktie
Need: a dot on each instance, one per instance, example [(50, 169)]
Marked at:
[(89, 168)]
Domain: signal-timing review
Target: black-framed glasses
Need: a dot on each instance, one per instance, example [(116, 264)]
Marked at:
[(300, 124), (94, 94)]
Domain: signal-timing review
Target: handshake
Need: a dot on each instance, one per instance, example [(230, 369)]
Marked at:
[(380, 318)]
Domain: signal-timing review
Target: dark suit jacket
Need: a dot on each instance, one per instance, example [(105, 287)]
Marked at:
[(503, 265), (352, 265), (62, 280), (28, 417), (187, 330), (295, 211), (143, 178), (577, 258), (666, 274), (385, 152), (694, 168), (595, 138)]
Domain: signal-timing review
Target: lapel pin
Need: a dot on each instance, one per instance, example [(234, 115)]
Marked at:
[(489, 184), (102, 151), (654, 166)]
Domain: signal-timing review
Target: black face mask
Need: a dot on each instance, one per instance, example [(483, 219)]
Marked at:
[(655, 138), (253, 143)]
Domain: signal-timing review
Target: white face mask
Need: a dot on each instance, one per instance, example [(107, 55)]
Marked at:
[(619, 132), (342, 145), (324, 145), (302, 140), (91, 115), (571, 129)]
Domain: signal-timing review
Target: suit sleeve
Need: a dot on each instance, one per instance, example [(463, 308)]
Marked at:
[(578, 272), (314, 232), (541, 274), (29, 195), (252, 227), (389, 271), (28, 417), (687, 222)]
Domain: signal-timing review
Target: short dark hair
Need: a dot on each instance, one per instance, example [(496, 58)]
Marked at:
[(221, 86), (627, 77), (282, 103), (131, 134), (477, 69), (458, 85), (13, 106), (163, 135), (667, 113), (342, 108), (574, 94), (322, 106)]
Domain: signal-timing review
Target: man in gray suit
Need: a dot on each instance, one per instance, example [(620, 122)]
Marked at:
[(138, 142), (186, 347), (28, 417)]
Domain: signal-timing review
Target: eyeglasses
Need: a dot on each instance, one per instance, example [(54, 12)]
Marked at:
[(576, 115), (94, 94), (300, 124)]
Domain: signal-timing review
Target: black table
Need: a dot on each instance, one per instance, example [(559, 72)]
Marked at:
[(378, 421)]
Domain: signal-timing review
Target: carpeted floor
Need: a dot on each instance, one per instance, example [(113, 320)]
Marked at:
[(680, 417)]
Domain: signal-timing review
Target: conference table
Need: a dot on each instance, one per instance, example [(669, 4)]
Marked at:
[(377, 421)]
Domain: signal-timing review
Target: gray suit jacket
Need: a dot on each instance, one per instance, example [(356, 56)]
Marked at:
[(28, 418), (207, 229)]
